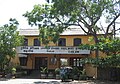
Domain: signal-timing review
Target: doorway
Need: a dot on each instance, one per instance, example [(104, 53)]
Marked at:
[(40, 62)]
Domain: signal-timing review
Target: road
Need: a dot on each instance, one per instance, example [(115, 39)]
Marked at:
[(51, 81)]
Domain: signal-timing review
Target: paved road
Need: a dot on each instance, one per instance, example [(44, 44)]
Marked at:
[(51, 81)]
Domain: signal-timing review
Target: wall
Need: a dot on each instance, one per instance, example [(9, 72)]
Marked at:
[(69, 40), (91, 71)]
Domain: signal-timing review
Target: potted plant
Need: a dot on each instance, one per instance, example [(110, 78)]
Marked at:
[(8, 72), (13, 71), (44, 72), (50, 74), (83, 75), (76, 73), (57, 72)]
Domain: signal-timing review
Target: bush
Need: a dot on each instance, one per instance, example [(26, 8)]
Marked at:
[(76, 71), (57, 70)]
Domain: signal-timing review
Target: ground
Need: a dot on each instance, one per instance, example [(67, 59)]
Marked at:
[(51, 81)]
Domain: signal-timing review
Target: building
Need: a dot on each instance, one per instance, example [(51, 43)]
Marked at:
[(66, 52)]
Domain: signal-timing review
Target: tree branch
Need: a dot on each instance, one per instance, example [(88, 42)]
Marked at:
[(82, 20), (82, 28), (102, 27), (97, 18), (108, 27)]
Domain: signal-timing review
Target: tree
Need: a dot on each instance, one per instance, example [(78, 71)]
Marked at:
[(108, 65), (9, 40), (111, 50), (83, 13), (49, 26)]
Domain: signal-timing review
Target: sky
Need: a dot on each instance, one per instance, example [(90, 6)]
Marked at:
[(15, 9)]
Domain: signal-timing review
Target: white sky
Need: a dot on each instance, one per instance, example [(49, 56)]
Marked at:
[(15, 9)]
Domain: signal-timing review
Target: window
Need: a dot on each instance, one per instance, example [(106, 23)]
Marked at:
[(64, 61), (25, 42), (23, 61), (53, 60), (62, 42), (75, 62), (36, 42), (77, 41)]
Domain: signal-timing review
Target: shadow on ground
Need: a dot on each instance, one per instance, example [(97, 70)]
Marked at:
[(78, 82), (3, 79), (50, 82), (105, 82), (55, 82)]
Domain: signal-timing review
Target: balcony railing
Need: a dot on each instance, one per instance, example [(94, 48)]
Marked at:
[(51, 50)]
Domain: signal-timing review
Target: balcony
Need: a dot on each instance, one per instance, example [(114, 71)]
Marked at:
[(50, 50)]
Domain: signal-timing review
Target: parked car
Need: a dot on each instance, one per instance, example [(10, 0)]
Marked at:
[(66, 73)]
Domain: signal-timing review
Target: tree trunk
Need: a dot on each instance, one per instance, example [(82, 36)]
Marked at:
[(97, 50)]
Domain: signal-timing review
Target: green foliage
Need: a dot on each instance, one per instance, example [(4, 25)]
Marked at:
[(13, 70), (53, 19), (49, 23), (110, 46), (109, 61), (10, 69), (87, 12), (83, 75), (44, 70), (83, 72), (57, 70), (9, 40), (107, 46), (48, 35), (76, 71)]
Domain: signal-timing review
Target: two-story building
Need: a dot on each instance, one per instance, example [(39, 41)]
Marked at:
[(66, 52)]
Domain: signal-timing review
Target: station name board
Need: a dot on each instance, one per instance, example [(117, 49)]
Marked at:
[(51, 50)]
